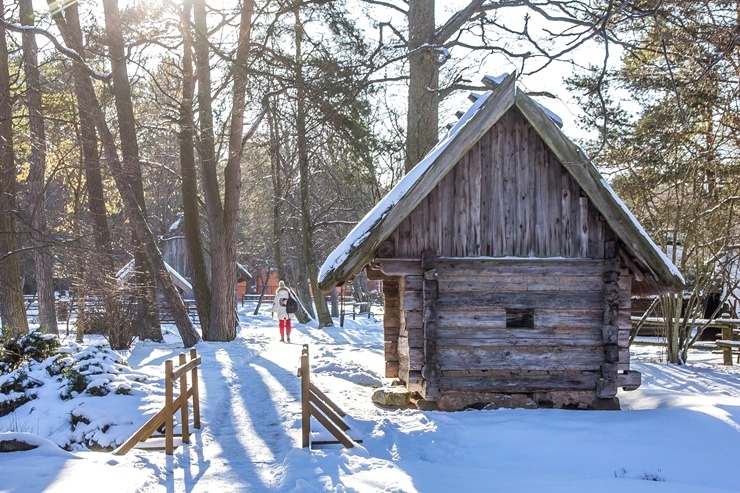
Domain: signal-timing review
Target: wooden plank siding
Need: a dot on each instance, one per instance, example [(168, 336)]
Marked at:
[(624, 319), (508, 196), (563, 350)]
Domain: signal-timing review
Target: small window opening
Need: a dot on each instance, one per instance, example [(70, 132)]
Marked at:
[(520, 318)]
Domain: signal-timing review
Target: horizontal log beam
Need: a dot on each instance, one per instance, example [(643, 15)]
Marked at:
[(400, 266), (519, 383)]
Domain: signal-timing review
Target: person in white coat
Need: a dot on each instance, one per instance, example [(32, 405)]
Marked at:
[(278, 306)]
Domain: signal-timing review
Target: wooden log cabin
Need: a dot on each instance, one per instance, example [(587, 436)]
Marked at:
[(508, 264)]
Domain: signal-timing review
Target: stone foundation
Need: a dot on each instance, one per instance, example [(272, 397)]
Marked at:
[(401, 397)]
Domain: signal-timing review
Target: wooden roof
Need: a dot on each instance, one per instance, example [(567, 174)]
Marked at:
[(654, 273)]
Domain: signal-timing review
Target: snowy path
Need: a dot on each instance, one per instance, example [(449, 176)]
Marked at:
[(250, 408), (245, 394)]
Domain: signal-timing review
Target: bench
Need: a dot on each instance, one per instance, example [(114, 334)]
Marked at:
[(357, 308), (254, 297), (729, 347)]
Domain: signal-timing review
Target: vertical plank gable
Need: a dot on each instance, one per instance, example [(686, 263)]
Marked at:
[(488, 200), (509, 195), (461, 204), (474, 193)]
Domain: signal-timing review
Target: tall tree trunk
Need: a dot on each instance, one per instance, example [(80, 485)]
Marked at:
[(88, 99), (673, 308), (207, 149), (90, 156), (102, 257), (222, 218), (186, 140), (37, 176), (232, 173), (324, 317), (278, 192), (82, 272), (12, 310), (422, 120), (279, 222), (148, 314)]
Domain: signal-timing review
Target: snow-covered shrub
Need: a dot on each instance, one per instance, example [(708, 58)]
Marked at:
[(34, 346), (15, 391), (93, 371), (73, 375), (15, 381), (75, 383)]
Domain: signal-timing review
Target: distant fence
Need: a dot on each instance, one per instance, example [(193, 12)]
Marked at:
[(69, 308)]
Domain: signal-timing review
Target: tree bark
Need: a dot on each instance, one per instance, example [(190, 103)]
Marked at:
[(102, 258), (37, 176), (278, 192), (147, 312), (90, 156), (89, 100), (279, 222), (12, 310), (422, 120), (207, 149), (324, 317), (186, 141), (222, 218)]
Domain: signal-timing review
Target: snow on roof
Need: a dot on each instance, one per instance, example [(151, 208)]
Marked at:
[(663, 256), (181, 281), (176, 225), (127, 270), (244, 269), (495, 81)]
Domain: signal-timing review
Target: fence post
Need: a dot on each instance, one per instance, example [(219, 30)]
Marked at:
[(194, 386), (305, 396), (184, 399), (169, 444)]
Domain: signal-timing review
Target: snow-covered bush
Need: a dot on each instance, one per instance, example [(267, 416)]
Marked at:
[(15, 383), (34, 346), (72, 374)]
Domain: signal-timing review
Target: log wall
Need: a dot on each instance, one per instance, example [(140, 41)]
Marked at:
[(577, 341), (391, 327), (477, 350)]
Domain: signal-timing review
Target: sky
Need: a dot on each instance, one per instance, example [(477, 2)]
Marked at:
[(678, 433)]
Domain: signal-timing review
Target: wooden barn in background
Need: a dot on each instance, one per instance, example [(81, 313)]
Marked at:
[(507, 264), (175, 253)]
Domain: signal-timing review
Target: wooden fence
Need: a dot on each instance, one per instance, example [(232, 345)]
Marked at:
[(166, 417), (315, 403), (727, 342)]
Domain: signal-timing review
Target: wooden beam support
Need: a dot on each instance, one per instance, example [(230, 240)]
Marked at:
[(400, 266)]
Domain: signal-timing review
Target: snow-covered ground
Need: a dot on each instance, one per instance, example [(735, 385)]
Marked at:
[(678, 433)]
